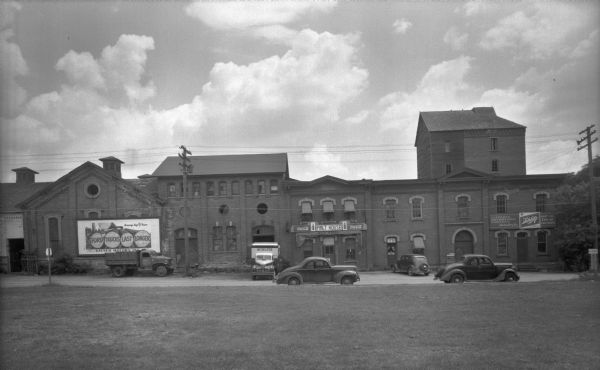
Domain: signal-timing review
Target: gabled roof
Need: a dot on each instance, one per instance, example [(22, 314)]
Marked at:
[(478, 118), (227, 165), (465, 173), (49, 188)]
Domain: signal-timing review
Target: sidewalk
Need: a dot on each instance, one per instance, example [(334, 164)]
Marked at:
[(234, 279)]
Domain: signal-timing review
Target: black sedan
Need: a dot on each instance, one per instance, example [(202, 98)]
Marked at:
[(318, 270)]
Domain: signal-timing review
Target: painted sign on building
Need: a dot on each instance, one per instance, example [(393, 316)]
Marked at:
[(522, 220), (97, 237), (315, 227)]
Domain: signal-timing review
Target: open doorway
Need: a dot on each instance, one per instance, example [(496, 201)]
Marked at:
[(15, 251)]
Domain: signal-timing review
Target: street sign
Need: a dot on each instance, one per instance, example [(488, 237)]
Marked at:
[(48, 252), (592, 251)]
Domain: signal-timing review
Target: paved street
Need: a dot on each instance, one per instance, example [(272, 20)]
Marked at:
[(231, 279)]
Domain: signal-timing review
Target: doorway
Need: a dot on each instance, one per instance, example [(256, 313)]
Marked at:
[(180, 246), (463, 244), (15, 251), (522, 247), (263, 234)]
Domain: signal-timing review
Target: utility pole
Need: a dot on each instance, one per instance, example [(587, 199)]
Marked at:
[(186, 168), (587, 138)]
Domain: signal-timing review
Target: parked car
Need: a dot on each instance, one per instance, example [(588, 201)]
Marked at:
[(477, 267), (412, 264), (318, 270)]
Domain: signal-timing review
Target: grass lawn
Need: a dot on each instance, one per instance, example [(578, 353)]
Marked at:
[(475, 326)]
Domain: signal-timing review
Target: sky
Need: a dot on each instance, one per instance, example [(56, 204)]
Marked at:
[(338, 85)]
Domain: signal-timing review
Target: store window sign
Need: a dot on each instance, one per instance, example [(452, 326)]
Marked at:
[(342, 226)]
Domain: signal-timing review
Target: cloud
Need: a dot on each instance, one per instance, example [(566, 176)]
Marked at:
[(248, 14), (401, 26), (533, 32), (321, 161), (455, 39), (12, 63)]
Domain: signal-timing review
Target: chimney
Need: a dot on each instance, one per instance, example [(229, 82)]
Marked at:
[(112, 165), (25, 175)]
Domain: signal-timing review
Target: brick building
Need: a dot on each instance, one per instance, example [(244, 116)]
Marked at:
[(471, 195)]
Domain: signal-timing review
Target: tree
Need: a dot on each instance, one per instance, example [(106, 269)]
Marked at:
[(574, 233)]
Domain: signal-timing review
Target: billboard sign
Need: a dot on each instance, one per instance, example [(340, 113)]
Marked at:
[(522, 220), (97, 237)]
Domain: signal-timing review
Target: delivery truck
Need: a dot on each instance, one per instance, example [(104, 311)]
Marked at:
[(263, 257), (128, 262)]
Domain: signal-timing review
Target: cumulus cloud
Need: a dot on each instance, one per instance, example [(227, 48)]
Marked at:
[(401, 26), (456, 39), (532, 32), (249, 14), (321, 161), (12, 63)]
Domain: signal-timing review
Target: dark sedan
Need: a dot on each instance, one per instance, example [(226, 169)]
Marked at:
[(477, 267), (318, 270)]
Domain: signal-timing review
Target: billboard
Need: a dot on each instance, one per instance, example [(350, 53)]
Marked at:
[(97, 237)]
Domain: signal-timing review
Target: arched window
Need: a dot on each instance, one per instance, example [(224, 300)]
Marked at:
[(390, 207), (501, 202), (541, 199), (502, 243), (462, 203), (416, 207)]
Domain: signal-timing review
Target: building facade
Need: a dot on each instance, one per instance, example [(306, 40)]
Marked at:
[(472, 195)]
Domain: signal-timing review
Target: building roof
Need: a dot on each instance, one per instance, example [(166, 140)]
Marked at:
[(475, 119), (226, 165), (13, 194)]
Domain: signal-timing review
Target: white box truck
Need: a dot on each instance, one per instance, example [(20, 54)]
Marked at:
[(263, 256)]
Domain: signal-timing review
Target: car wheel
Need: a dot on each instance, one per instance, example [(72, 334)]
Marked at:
[(457, 279), (119, 271), (347, 280), (293, 281), (161, 270), (510, 277), (394, 268)]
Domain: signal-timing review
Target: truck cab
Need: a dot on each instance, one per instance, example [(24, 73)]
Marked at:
[(263, 256)]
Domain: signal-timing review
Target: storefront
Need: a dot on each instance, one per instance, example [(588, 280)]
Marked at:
[(341, 243)]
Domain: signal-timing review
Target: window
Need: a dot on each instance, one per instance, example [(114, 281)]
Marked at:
[(54, 232), (540, 202), (196, 189), (92, 190), (217, 238), (463, 206), (448, 168), (262, 208), (93, 215), (274, 187), (210, 188), (502, 243), (390, 208), (418, 244), (306, 214), (222, 187), (447, 147), (248, 187), (328, 206), (261, 187), (417, 207), (493, 144), (231, 234), (501, 200), (235, 188), (542, 242), (349, 208), (495, 165), (307, 247), (171, 190)]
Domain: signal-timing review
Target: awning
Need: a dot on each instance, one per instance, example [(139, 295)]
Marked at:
[(306, 208), (349, 206), (418, 242), (327, 207)]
